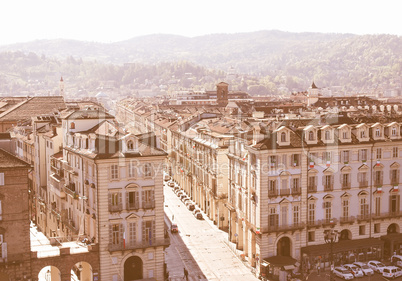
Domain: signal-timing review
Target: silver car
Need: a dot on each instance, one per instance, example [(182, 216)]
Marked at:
[(343, 273)]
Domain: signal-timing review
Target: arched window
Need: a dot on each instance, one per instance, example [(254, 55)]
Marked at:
[(130, 145), (72, 125), (283, 137)]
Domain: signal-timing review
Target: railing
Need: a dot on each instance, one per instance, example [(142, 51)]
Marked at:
[(326, 222), (286, 227), (69, 223), (273, 193), (68, 167), (296, 191), (315, 223), (347, 220), (139, 245), (378, 183), (394, 182), (285, 192), (55, 211), (133, 206), (386, 215), (363, 184), (148, 205), (312, 188), (346, 185), (364, 217), (116, 208), (70, 190), (328, 187)]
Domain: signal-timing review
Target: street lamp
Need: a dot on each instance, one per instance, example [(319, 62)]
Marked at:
[(330, 237)]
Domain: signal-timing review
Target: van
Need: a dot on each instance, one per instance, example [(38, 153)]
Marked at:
[(396, 260)]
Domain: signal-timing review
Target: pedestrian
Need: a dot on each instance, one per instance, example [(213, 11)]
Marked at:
[(172, 217), (186, 274), (318, 269)]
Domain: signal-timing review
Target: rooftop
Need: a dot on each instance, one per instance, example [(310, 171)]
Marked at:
[(8, 160)]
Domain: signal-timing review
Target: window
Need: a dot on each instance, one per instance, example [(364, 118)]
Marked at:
[(327, 135), (363, 134), (131, 169), (296, 213), (133, 200), (394, 203), (345, 135), (395, 152), (130, 145), (132, 233), (272, 185), (283, 137), (364, 207), (362, 178), (378, 178), (363, 155), (311, 212), (148, 170), (296, 160), (394, 177), (284, 213), (345, 208), (272, 161), (148, 232), (312, 183), (377, 228), (326, 156), (1, 178), (114, 171), (345, 156), (394, 131), (115, 202), (328, 211), (72, 125), (311, 136), (273, 220), (148, 201), (379, 153), (328, 182), (311, 236), (362, 230), (115, 237), (346, 180), (295, 184), (3, 247), (378, 132), (378, 206)]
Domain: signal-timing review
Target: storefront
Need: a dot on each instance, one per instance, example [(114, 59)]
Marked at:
[(278, 268), (344, 251), (393, 244)]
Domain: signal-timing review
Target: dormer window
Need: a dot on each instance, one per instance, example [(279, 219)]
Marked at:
[(362, 134), (394, 132), (378, 132), (283, 137), (310, 135), (345, 135), (130, 145)]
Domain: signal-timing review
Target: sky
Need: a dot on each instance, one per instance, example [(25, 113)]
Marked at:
[(118, 20)]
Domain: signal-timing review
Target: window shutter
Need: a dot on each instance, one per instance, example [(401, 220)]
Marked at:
[(127, 200), (390, 204), (397, 180), (110, 234), (121, 233), (143, 232), (1, 178), (284, 161), (153, 230), (398, 200), (4, 250), (142, 197), (110, 201), (137, 198), (332, 180), (381, 177), (323, 180), (120, 198)]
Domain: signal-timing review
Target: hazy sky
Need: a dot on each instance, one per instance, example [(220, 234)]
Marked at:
[(110, 21)]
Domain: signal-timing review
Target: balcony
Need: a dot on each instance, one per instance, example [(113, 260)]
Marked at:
[(345, 185), (70, 224), (312, 188), (115, 207), (70, 190), (315, 223), (365, 217), (272, 193), (133, 206), (363, 184), (328, 187), (329, 222), (139, 245), (286, 227), (296, 191), (386, 215), (285, 192), (345, 220), (148, 204), (378, 183), (68, 168)]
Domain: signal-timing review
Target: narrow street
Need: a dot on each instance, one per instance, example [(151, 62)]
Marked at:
[(199, 247)]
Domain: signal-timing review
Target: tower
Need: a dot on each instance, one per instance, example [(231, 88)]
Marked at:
[(222, 91), (61, 86)]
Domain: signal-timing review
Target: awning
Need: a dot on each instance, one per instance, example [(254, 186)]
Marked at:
[(392, 237), (342, 246), (289, 267), (280, 260)]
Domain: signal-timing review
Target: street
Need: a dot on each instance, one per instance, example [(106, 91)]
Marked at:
[(199, 247), (324, 276)]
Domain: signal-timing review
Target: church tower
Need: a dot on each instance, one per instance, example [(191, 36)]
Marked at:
[(222, 92), (61, 86)]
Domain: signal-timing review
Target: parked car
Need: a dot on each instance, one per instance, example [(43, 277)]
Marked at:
[(166, 177), (343, 273), (196, 210), (183, 196), (356, 271), (365, 268), (396, 260), (171, 184), (185, 200), (174, 228), (376, 266), (391, 272), (179, 193), (199, 216), (190, 205)]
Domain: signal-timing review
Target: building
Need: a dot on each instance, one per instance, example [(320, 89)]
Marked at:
[(15, 250)]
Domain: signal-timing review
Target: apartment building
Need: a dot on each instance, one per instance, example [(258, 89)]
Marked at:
[(303, 178), (15, 249)]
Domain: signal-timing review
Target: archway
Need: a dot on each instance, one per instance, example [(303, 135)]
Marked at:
[(81, 271), (49, 273), (133, 269), (283, 247), (345, 235), (393, 228)]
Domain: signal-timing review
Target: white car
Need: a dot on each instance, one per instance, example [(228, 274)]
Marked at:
[(396, 260), (391, 272), (365, 268), (343, 272), (376, 266), (356, 271)]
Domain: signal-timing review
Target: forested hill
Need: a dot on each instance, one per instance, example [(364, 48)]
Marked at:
[(358, 61)]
